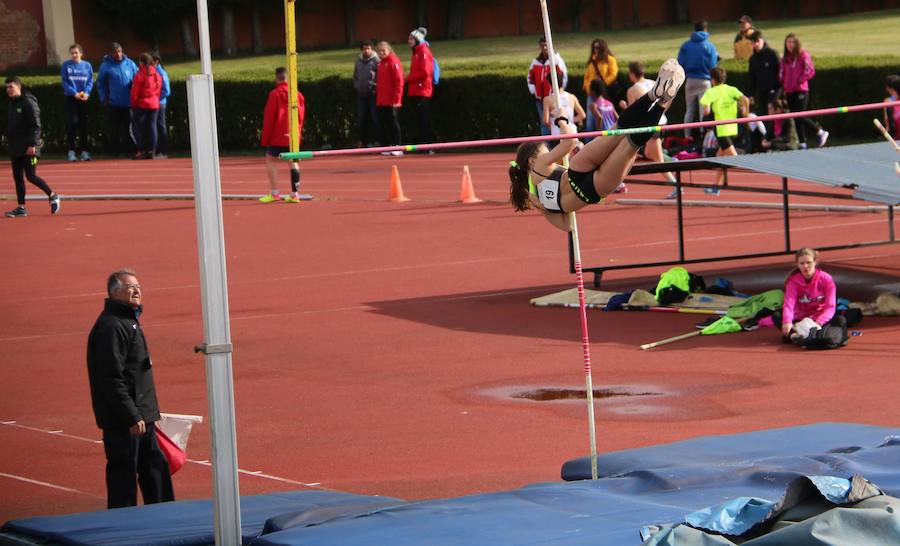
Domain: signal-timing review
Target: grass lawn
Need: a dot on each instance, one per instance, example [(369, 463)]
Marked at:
[(871, 38)]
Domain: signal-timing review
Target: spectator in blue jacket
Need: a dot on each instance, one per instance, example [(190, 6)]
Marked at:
[(114, 88), (162, 128), (697, 55), (77, 77)]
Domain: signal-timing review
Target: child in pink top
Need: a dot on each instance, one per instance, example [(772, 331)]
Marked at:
[(892, 113), (809, 292)]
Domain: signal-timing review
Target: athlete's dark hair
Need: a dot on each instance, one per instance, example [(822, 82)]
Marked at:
[(518, 175), (718, 73), (637, 68), (598, 88)]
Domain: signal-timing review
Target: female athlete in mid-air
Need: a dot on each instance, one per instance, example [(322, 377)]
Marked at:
[(538, 180)]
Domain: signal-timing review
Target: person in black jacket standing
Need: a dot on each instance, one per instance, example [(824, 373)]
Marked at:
[(763, 72), (124, 398), (23, 138)]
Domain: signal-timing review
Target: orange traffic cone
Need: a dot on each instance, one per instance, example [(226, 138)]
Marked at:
[(467, 192), (396, 195)]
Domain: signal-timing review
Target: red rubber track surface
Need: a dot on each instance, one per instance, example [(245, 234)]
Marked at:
[(376, 343)]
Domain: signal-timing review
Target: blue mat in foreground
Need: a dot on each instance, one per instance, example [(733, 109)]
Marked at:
[(659, 484), (180, 523)]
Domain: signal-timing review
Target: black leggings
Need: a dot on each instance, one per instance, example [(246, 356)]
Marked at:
[(390, 125), (798, 102), (25, 166), (422, 106), (641, 113)]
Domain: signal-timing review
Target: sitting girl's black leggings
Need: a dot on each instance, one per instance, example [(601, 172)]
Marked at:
[(641, 113), (23, 167)]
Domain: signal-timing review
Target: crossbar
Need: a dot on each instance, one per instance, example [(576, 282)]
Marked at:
[(310, 154)]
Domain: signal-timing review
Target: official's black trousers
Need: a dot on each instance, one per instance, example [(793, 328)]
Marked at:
[(128, 456), (118, 127)]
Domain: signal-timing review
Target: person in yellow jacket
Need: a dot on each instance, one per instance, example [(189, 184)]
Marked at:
[(601, 64)]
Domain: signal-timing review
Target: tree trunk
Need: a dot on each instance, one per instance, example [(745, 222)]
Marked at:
[(635, 13), (421, 13), (256, 30), (781, 8), (607, 14), (521, 16), (455, 17), (682, 12), (349, 23), (846, 6), (229, 42), (187, 37), (575, 14)]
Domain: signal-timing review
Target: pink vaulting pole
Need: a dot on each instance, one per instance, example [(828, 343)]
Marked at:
[(610, 132)]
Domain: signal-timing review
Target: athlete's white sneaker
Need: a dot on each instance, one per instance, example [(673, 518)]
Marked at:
[(668, 82)]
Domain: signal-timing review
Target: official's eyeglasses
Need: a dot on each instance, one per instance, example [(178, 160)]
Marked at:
[(132, 286)]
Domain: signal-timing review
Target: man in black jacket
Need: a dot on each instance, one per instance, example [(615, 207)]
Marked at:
[(763, 72), (124, 398), (23, 137)]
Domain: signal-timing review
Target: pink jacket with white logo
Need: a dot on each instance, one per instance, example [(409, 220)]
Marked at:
[(814, 298)]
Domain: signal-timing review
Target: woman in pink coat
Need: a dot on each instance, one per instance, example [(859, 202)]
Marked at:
[(794, 72), (809, 293)]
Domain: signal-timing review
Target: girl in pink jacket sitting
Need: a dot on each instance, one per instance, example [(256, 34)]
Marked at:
[(809, 293)]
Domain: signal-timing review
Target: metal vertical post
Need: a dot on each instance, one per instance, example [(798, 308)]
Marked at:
[(214, 292), (290, 38), (680, 206), (787, 214)]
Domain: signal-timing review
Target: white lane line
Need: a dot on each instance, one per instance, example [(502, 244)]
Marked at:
[(257, 473), (45, 484)]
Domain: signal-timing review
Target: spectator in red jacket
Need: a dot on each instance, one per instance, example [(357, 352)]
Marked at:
[(421, 81), (276, 136), (389, 95), (145, 89)]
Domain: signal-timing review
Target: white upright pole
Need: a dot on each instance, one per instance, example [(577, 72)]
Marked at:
[(576, 254), (214, 292)]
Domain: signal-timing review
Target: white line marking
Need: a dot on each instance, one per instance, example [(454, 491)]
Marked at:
[(258, 473), (45, 484)]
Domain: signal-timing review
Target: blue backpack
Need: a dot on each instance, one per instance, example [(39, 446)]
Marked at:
[(436, 77)]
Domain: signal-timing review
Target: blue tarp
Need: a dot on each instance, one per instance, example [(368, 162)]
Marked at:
[(653, 485)]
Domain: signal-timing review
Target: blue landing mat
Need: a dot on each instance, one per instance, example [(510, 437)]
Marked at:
[(651, 485), (180, 523), (611, 511)]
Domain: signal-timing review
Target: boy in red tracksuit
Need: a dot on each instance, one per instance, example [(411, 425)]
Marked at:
[(276, 137), (145, 90), (538, 79), (421, 81)]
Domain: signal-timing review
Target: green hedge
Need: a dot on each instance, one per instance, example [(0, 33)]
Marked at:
[(465, 107)]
